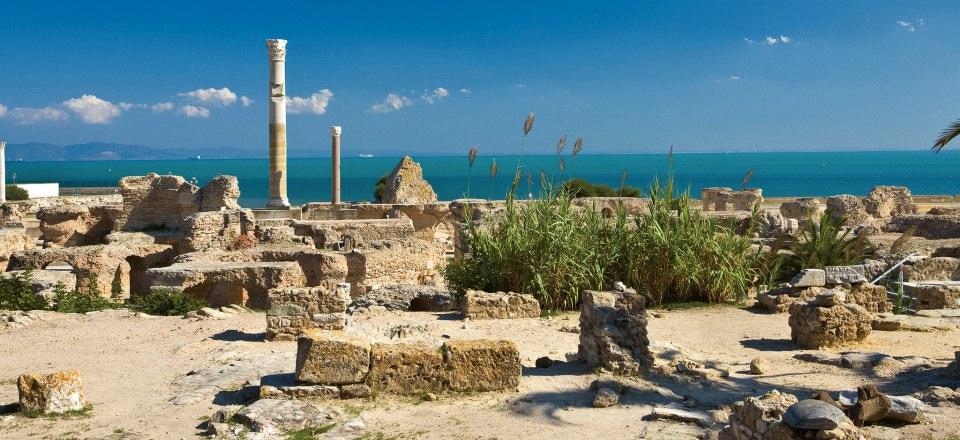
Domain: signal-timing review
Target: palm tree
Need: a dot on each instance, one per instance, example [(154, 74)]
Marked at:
[(946, 136)]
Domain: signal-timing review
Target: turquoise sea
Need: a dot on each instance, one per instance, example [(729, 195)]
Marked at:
[(779, 174)]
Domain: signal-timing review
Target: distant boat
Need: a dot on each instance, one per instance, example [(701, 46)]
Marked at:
[(366, 155), (194, 158)]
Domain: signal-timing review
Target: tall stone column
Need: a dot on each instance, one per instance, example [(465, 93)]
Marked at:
[(277, 53), (335, 158), (3, 172)]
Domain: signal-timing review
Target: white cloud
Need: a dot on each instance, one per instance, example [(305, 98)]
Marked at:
[(246, 101), (437, 94), (770, 40), (315, 104), (93, 110), (3, 110), (908, 26), (192, 111), (29, 116), (466, 91), (734, 77), (126, 105), (162, 107), (521, 86), (391, 103), (209, 96)]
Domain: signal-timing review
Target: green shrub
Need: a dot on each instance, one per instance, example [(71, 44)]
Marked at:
[(66, 301), (379, 189), (16, 293), (578, 187), (167, 302), (15, 193), (552, 250)]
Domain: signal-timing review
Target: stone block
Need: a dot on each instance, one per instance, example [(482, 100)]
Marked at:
[(55, 393), (293, 310), (933, 269), (809, 278), (845, 274), (406, 369), (332, 358), (482, 365), (848, 208), (499, 305), (813, 326)]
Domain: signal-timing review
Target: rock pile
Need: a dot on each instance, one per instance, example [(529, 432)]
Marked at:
[(613, 331), (809, 283), (499, 305), (405, 184), (780, 416)]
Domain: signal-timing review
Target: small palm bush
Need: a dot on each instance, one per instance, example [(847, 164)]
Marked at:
[(825, 242)]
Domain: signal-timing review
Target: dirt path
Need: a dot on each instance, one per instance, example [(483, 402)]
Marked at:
[(134, 366)]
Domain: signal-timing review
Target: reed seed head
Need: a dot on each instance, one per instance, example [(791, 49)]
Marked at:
[(577, 146), (528, 124), (562, 143), (472, 155)]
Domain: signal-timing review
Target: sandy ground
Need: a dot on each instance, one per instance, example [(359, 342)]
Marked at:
[(132, 366)]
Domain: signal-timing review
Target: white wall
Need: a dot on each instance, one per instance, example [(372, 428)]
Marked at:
[(37, 190)]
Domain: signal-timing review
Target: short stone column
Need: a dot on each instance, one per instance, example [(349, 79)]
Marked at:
[(335, 159), (277, 54)]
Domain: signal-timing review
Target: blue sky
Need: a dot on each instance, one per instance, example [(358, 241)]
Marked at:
[(627, 76)]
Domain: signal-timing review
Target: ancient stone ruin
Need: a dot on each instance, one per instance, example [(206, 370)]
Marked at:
[(726, 199), (405, 184), (613, 331)]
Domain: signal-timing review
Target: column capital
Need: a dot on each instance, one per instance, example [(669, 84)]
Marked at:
[(277, 50), (335, 130), (3, 144)]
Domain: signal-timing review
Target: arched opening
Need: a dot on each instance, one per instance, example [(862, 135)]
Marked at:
[(59, 266)]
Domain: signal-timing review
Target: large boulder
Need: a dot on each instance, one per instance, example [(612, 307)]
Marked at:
[(55, 393), (405, 184)]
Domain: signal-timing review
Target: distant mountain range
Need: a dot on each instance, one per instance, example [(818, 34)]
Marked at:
[(112, 151)]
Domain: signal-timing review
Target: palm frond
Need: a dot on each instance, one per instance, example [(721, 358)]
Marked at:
[(946, 136)]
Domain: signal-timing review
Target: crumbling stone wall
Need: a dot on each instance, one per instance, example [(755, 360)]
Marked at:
[(383, 262), (155, 202), (802, 209), (225, 283), (499, 305), (293, 310), (933, 268), (849, 208), (613, 331), (110, 269), (888, 201), (76, 225), (215, 230), (349, 234), (12, 241), (726, 199), (320, 268)]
